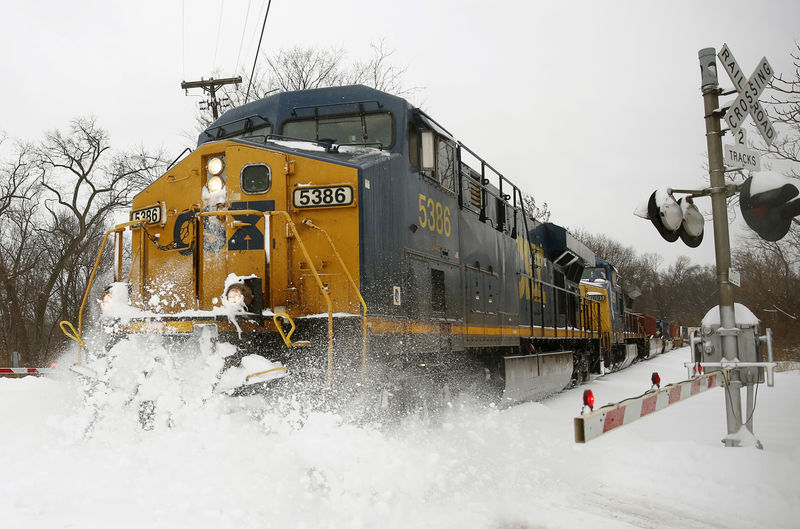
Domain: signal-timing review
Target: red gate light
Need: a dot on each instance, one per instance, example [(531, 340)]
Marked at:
[(656, 380), (588, 399)]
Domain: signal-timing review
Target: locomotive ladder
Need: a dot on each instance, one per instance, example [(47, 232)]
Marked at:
[(310, 224)]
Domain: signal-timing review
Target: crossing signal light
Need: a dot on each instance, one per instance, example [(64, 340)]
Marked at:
[(768, 205), (665, 214), (655, 379), (676, 219), (691, 231), (588, 399)]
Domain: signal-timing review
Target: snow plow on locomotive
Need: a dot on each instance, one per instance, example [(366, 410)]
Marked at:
[(331, 234)]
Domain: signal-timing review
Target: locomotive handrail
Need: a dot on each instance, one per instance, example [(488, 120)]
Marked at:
[(310, 224), (578, 296), (77, 335), (296, 234), (178, 157)]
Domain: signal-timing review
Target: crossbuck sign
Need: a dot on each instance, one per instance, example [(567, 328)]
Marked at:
[(749, 91)]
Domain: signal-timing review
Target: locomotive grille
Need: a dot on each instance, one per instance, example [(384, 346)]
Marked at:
[(475, 194)]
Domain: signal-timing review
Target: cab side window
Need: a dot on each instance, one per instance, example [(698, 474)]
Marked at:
[(446, 163), (434, 155), (413, 146)]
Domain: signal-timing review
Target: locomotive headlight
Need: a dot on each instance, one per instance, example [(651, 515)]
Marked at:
[(235, 295), (215, 165), (215, 183), (114, 298), (106, 301), (238, 296)]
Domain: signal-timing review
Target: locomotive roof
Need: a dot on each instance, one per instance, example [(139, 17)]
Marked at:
[(279, 108)]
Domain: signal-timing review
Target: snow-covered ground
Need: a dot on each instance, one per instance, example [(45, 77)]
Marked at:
[(473, 467)]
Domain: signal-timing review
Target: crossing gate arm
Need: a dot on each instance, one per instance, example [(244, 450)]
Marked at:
[(26, 370), (611, 416)]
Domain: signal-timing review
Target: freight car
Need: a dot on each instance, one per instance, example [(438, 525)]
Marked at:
[(350, 240)]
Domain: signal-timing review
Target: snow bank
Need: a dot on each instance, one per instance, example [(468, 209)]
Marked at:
[(240, 463)]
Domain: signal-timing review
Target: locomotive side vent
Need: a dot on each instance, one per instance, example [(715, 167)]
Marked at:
[(475, 195)]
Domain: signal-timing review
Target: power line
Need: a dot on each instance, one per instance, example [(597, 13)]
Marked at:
[(244, 30), (183, 38), (219, 32), (258, 49), (252, 36)]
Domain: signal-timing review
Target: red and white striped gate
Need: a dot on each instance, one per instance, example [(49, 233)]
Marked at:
[(611, 416)]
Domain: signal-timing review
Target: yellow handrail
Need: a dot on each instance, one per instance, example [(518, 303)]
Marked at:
[(310, 224), (287, 337), (273, 370), (72, 334), (76, 335)]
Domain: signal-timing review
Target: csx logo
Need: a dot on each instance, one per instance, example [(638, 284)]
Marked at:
[(249, 237), (245, 237), (527, 288)]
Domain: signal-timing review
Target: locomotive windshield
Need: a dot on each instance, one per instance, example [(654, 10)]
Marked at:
[(349, 129), (591, 274)]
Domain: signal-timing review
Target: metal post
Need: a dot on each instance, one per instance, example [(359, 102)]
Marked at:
[(722, 245)]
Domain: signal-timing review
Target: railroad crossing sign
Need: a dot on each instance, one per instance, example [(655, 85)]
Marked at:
[(749, 91)]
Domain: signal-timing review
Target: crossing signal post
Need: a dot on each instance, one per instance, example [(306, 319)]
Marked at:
[(722, 243), (768, 207)]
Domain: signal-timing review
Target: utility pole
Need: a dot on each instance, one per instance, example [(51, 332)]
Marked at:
[(210, 87), (722, 244)]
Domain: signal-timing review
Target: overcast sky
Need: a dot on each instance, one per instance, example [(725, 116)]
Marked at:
[(588, 105)]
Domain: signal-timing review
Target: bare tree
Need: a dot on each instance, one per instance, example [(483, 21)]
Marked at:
[(20, 256), (784, 106), (300, 68), (58, 199), (532, 209), (15, 181), (379, 73), (770, 282), (623, 257)]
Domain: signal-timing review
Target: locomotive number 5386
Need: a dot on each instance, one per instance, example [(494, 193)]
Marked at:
[(326, 196), (433, 215)]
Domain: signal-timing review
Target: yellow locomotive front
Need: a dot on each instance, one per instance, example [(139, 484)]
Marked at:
[(181, 261), (243, 240)]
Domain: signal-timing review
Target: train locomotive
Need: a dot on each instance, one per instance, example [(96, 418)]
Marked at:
[(349, 240)]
